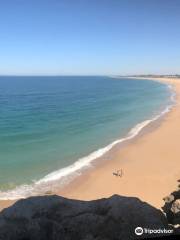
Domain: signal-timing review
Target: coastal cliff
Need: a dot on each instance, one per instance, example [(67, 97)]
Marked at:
[(55, 217)]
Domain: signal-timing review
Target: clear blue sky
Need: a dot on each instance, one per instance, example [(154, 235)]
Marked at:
[(39, 37)]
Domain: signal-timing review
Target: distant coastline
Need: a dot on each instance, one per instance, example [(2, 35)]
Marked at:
[(154, 76)]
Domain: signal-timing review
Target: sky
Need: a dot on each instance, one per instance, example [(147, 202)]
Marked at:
[(89, 37)]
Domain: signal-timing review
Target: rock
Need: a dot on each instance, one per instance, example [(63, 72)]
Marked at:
[(172, 211), (169, 198), (175, 209), (176, 206), (54, 217)]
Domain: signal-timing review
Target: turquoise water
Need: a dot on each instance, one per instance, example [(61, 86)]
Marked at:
[(48, 123)]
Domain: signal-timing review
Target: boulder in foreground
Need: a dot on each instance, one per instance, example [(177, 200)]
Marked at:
[(54, 217)]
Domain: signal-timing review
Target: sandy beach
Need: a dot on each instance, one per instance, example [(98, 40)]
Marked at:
[(150, 164)]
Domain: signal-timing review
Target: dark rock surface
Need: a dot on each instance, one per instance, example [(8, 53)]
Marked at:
[(172, 209), (58, 218)]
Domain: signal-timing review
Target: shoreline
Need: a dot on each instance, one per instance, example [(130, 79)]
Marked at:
[(78, 188), (159, 176)]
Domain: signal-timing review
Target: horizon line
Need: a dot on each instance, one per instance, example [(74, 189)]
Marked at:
[(83, 75)]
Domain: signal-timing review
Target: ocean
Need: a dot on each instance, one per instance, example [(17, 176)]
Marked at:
[(51, 128)]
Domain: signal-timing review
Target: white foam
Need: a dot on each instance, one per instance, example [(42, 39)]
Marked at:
[(62, 176)]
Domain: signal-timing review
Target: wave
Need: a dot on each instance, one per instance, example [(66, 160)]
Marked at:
[(54, 180)]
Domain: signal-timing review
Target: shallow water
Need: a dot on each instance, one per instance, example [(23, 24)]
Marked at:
[(48, 123)]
